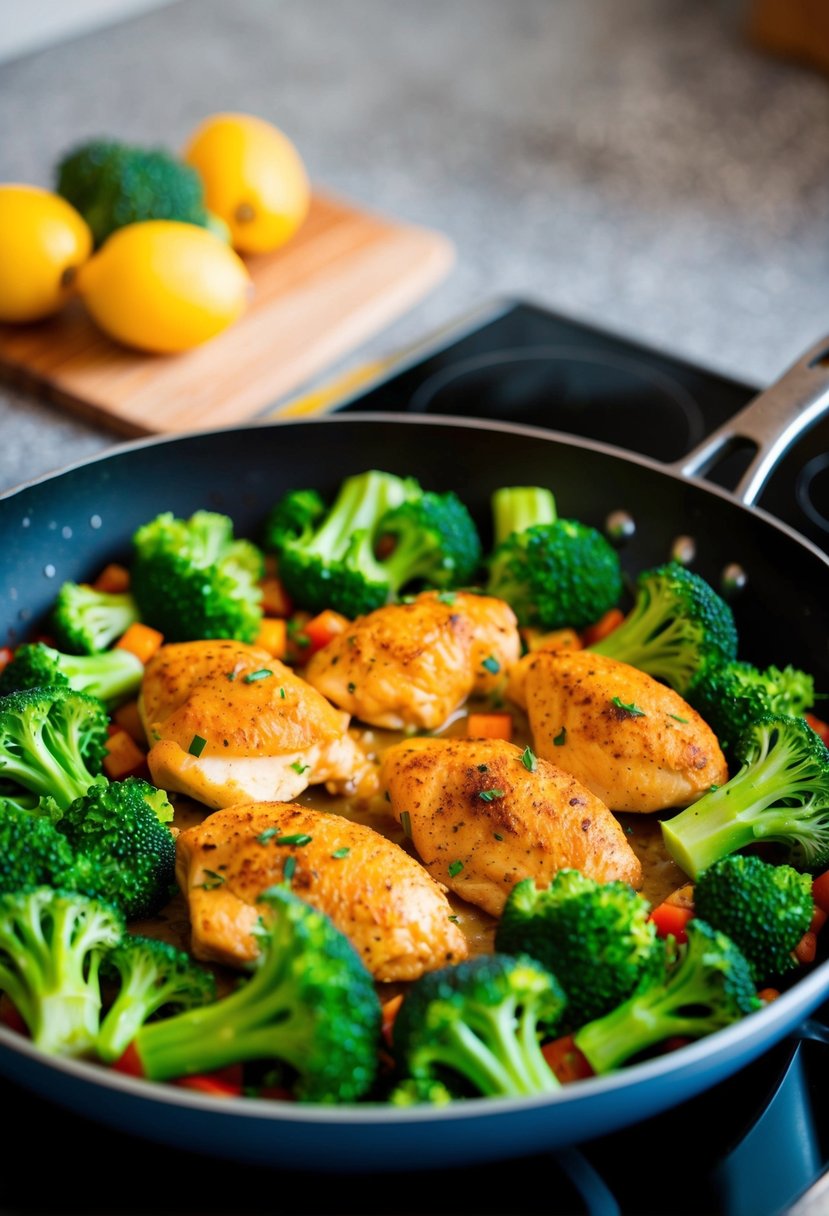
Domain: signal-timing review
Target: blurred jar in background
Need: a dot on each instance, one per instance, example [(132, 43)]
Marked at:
[(795, 29)]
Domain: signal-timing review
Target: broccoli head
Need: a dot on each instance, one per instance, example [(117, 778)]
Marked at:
[(765, 909), (436, 543), (553, 572), (310, 1004), (51, 946), (732, 695), (677, 626), (706, 986), (33, 852), (112, 184), (112, 675), (597, 937), (152, 978), (192, 579), (479, 1024), (52, 744), (85, 620), (123, 851), (779, 794), (334, 564), (296, 514)]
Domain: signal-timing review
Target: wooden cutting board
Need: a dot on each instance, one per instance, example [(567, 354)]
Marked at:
[(345, 275)]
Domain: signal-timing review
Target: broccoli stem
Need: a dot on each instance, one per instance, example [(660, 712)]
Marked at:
[(644, 639), (361, 501), (516, 508)]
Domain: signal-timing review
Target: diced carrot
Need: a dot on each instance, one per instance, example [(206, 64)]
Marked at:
[(671, 920), (129, 719), (490, 725), (682, 897), (114, 579), (555, 639), (820, 891), (141, 639), (11, 1017), (6, 656), (819, 727), (767, 995), (124, 758), (565, 1059), (806, 949), (275, 599), (390, 1008), (611, 620), (273, 636), (223, 1083), (322, 628), (819, 918)]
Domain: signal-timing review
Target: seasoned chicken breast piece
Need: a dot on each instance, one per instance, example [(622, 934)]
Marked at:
[(633, 741), (414, 664), (395, 915), (481, 819), (227, 723)]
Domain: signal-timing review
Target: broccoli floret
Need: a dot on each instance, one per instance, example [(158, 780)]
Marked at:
[(732, 695), (310, 1004), (33, 852), (52, 744), (678, 624), (113, 184), (480, 1022), (780, 794), (112, 675), (123, 851), (334, 564), (765, 909), (85, 620), (554, 573), (192, 579), (51, 946), (436, 543), (295, 515), (596, 937), (152, 978), (706, 986), (419, 1091)]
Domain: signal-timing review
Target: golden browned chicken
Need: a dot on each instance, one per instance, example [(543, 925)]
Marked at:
[(228, 723), (481, 819), (414, 664), (633, 741), (396, 916)]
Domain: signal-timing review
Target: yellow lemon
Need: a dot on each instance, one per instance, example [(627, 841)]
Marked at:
[(164, 286), (254, 179), (43, 242)]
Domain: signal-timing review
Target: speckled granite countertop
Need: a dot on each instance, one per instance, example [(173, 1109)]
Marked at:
[(636, 165)]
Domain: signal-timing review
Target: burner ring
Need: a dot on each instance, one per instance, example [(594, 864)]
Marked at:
[(805, 488), (575, 389)]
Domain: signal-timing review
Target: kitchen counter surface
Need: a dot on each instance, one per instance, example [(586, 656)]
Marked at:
[(640, 167)]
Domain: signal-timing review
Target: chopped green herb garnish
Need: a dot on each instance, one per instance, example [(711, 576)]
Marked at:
[(490, 795), (631, 709), (483, 768), (212, 880), (455, 868), (491, 664), (453, 918), (299, 767), (197, 745), (282, 692), (261, 674), (265, 836), (529, 760), (677, 718), (561, 738), (298, 840), (446, 597), (352, 687), (338, 854), (231, 675), (288, 869), (406, 823), (497, 835)]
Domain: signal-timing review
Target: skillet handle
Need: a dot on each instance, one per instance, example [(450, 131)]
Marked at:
[(771, 422)]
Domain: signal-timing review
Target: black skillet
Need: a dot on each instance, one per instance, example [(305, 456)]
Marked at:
[(67, 526)]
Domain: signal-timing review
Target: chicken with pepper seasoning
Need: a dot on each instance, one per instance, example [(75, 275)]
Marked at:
[(412, 665), (228, 723), (483, 814), (637, 744)]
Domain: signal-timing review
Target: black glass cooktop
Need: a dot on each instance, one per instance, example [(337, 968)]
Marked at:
[(519, 362)]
